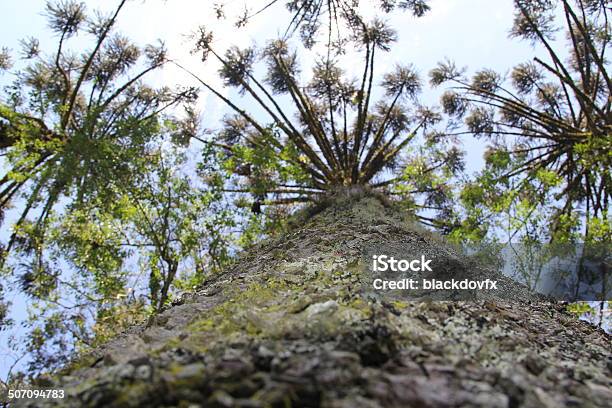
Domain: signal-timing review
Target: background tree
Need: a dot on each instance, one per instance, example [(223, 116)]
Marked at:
[(100, 212), (549, 124), (73, 123), (105, 267)]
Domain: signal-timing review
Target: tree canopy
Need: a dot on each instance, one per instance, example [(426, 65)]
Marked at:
[(74, 123), (334, 131), (549, 123)]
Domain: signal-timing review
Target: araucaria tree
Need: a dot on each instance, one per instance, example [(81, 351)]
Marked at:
[(332, 131), (72, 122), (550, 124), (99, 218)]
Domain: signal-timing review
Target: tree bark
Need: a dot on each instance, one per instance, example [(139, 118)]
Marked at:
[(289, 324)]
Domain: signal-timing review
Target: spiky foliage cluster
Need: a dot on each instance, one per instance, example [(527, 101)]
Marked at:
[(550, 122), (308, 17), (330, 132), (74, 120)]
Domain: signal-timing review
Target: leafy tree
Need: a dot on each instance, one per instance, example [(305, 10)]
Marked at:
[(549, 125), (329, 133), (104, 267), (175, 223), (72, 121)]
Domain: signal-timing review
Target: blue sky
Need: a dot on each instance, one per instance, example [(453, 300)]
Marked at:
[(473, 33)]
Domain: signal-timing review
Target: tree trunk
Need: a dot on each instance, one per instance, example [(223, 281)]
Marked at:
[(289, 324)]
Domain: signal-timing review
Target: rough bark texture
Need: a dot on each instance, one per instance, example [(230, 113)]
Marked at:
[(288, 325)]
